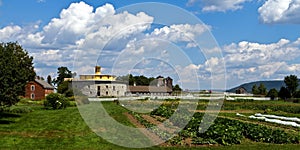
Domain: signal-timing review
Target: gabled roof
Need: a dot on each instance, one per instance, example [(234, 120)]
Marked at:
[(44, 84)]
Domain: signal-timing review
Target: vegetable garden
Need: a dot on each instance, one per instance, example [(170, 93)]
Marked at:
[(224, 130)]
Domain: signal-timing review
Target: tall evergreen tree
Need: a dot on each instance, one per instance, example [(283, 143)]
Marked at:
[(49, 79), (255, 89), (262, 89)]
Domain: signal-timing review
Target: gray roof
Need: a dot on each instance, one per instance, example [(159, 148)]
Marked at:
[(149, 89), (44, 84)]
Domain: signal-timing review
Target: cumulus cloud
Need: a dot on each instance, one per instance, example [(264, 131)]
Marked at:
[(257, 54), (181, 33), (9, 32), (280, 11), (248, 61), (79, 31), (219, 5)]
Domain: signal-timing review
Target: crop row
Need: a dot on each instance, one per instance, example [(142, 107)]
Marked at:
[(164, 135), (223, 131)]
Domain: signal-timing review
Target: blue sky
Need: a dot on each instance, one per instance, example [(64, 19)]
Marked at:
[(258, 39)]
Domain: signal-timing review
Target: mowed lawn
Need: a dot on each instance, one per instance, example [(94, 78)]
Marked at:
[(65, 129)]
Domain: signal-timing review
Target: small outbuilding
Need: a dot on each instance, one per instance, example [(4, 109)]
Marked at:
[(241, 90)]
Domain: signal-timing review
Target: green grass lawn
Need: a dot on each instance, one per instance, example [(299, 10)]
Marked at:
[(65, 129)]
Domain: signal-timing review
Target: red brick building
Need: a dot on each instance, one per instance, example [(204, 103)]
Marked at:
[(38, 89)]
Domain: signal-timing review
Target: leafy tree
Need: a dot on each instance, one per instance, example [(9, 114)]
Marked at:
[(141, 80), (255, 89), (56, 101), (177, 88), (131, 79), (64, 88), (262, 89), (49, 79), (297, 94), (273, 93), (284, 93), (292, 84), (63, 72), (16, 70), (40, 78)]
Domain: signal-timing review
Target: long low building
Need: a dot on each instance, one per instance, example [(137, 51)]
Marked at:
[(149, 91)]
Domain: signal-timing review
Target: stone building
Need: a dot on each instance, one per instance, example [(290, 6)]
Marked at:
[(99, 85)]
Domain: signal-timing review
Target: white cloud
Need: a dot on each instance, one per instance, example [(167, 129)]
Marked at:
[(280, 11), (257, 54), (79, 31), (41, 1), (219, 5), (248, 61), (9, 32), (181, 33)]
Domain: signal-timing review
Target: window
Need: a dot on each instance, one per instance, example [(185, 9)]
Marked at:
[(106, 86), (106, 93), (32, 87), (98, 91), (114, 88), (32, 96)]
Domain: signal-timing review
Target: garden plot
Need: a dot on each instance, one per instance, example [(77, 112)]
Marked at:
[(223, 131)]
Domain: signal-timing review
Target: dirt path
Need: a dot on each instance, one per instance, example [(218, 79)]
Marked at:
[(153, 137), (166, 126)]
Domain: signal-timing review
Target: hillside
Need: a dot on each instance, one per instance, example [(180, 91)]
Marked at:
[(268, 84)]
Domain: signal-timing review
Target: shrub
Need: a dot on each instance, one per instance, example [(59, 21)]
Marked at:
[(56, 101)]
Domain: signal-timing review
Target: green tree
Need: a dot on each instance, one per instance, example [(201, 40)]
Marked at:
[(141, 80), (131, 79), (273, 93), (292, 84), (284, 93), (16, 70), (177, 88), (262, 89), (56, 101), (64, 88), (63, 72), (255, 90)]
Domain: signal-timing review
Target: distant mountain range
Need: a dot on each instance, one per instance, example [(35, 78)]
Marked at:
[(268, 84)]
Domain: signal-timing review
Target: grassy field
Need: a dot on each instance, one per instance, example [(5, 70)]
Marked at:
[(65, 129)]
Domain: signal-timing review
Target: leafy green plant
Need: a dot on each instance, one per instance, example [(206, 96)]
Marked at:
[(163, 111), (56, 101)]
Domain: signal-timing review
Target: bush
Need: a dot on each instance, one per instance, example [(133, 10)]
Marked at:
[(56, 101)]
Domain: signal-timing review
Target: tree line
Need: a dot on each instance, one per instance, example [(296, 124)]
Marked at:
[(290, 90)]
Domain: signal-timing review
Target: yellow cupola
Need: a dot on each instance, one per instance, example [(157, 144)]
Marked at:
[(97, 70)]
